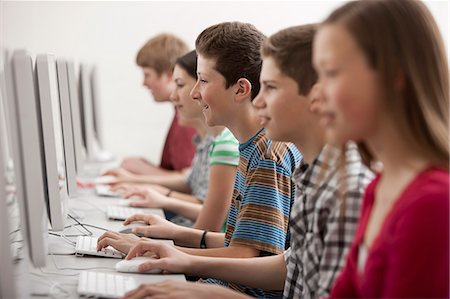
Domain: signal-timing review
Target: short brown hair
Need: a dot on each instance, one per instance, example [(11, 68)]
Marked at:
[(236, 48), (161, 52), (291, 48)]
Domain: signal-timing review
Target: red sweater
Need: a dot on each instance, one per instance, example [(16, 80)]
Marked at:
[(178, 149), (410, 256)]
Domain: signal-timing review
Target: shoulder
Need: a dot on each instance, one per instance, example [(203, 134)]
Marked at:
[(284, 154)]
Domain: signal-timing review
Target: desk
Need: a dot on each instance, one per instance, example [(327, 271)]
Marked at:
[(64, 269)]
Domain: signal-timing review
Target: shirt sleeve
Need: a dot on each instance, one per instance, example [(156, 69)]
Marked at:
[(225, 150), (264, 214)]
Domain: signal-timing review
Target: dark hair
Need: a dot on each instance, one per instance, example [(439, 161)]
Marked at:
[(236, 48), (291, 49), (401, 37), (188, 62), (160, 52)]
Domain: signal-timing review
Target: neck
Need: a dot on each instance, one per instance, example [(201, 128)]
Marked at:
[(310, 144), (397, 156), (244, 124), (214, 131)]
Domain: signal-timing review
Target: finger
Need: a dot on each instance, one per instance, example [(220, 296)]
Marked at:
[(139, 204), (142, 247), (143, 291), (153, 263), (141, 230), (133, 218), (105, 242), (113, 172), (109, 234)]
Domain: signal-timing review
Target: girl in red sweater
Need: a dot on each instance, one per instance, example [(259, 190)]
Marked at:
[(386, 84)]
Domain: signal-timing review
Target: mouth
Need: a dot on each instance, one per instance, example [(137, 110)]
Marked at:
[(204, 107), (178, 107), (327, 119), (263, 120)]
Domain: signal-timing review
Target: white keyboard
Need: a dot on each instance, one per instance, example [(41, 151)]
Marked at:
[(122, 213), (88, 246), (105, 285), (105, 190)]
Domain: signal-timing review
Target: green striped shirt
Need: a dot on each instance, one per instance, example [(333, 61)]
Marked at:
[(224, 149)]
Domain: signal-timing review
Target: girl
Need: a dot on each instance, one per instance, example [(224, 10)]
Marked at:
[(385, 77)]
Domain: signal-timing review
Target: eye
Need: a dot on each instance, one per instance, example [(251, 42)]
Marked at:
[(331, 73)]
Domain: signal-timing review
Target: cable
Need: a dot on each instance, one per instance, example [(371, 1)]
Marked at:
[(79, 269), (79, 223)]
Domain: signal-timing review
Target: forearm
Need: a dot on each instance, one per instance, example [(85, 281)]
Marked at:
[(174, 181), (267, 273), (186, 209), (190, 237), (228, 252)]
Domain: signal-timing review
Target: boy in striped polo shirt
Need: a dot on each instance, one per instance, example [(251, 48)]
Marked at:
[(229, 64)]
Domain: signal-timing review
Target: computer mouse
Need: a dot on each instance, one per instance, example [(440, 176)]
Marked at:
[(106, 179), (133, 264)]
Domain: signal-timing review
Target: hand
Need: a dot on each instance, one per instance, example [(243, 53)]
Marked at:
[(150, 198), (122, 175), (182, 290), (157, 227), (121, 242), (167, 257)]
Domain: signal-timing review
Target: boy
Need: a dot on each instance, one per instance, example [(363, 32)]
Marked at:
[(229, 64), (157, 59), (325, 214)]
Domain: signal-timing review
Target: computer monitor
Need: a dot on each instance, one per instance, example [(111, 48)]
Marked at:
[(75, 117), (67, 131), (7, 281), (51, 130), (96, 107), (87, 118), (21, 100)]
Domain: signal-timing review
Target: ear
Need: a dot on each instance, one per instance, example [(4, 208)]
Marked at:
[(243, 90)]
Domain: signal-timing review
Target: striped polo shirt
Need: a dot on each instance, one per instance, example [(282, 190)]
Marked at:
[(224, 149), (262, 199)]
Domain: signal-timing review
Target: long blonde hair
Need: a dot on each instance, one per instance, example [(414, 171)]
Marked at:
[(401, 38)]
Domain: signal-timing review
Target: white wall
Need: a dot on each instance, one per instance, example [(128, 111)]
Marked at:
[(108, 34)]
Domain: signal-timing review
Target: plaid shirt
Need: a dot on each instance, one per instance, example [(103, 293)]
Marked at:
[(322, 227)]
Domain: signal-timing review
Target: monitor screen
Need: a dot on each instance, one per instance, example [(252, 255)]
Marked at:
[(26, 139), (75, 117), (52, 135)]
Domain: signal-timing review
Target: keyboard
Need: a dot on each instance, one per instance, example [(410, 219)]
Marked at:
[(88, 246), (104, 285), (122, 213)]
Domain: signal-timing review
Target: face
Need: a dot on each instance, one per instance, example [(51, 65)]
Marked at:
[(180, 97), (211, 94), (284, 113), (350, 86), (159, 85)]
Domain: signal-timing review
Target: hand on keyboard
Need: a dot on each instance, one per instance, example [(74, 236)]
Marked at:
[(122, 175), (121, 242), (150, 198)]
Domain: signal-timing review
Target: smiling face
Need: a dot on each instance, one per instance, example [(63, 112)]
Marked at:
[(352, 93), (159, 85), (188, 109), (284, 113), (211, 94)]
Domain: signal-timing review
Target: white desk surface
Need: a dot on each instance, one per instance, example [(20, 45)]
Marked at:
[(64, 269)]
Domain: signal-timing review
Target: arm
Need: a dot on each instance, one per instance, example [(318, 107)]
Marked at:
[(175, 289), (174, 181), (262, 272), (220, 189)]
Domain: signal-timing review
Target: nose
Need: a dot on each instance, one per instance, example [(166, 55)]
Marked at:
[(259, 102), (195, 94), (318, 98), (174, 95)]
